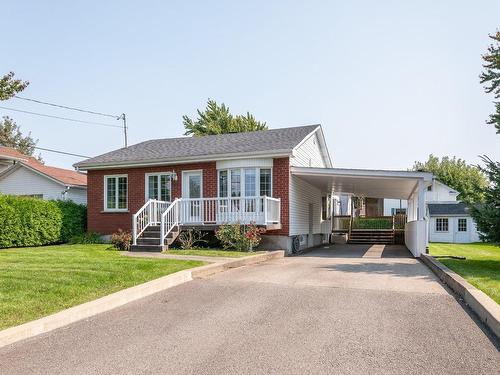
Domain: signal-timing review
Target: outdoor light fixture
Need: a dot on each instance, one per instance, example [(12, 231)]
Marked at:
[(173, 175)]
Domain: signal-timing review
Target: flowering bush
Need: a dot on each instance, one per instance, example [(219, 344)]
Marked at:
[(121, 240), (239, 237)]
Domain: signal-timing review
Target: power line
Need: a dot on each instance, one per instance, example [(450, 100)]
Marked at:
[(62, 118), (62, 152), (66, 107)]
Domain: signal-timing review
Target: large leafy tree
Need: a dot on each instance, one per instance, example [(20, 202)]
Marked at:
[(11, 136), (487, 214), (10, 86), (490, 77), (467, 179), (217, 119)]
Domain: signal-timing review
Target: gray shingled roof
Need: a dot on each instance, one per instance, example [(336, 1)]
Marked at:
[(185, 148), (448, 209)]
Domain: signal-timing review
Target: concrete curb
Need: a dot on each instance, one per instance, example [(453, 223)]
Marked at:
[(114, 300), (487, 309)]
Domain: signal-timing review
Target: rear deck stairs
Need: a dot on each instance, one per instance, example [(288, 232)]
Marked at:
[(371, 236)]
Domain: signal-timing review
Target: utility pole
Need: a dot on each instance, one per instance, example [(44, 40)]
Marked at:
[(122, 117)]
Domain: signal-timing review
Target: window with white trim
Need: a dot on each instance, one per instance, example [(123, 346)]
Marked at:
[(115, 193), (442, 224), (246, 182), (159, 186), (462, 225)]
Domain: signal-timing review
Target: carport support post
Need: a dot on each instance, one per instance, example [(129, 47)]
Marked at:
[(421, 200)]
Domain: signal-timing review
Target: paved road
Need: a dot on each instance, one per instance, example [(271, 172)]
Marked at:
[(350, 311)]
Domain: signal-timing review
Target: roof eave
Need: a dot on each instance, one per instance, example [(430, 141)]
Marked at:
[(171, 161)]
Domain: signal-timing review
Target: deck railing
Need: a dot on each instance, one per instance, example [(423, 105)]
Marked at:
[(205, 211), (244, 210), (341, 223)]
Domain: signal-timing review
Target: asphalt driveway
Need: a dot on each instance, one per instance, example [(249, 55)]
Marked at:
[(347, 310)]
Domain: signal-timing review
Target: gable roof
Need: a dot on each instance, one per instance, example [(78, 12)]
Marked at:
[(61, 175), (444, 209), (275, 142)]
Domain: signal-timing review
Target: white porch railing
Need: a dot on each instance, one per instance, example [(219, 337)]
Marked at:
[(244, 210), (149, 214), (206, 211), (169, 220)]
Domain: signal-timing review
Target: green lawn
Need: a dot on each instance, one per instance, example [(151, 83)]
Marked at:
[(212, 253), (481, 267), (38, 281)]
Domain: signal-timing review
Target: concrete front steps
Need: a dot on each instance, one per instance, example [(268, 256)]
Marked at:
[(371, 236), (149, 240)]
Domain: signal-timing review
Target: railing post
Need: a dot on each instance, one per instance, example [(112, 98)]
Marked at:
[(265, 209), (134, 228), (162, 230)]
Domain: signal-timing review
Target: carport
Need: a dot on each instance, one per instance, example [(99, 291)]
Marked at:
[(379, 184)]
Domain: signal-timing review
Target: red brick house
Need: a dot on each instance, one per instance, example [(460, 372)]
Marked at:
[(205, 181), (281, 179)]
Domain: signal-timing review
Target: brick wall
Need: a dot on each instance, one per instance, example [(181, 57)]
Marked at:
[(281, 189), (109, 222)]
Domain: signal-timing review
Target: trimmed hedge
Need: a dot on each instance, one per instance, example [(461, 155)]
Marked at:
[(36, 222), (74, 219)]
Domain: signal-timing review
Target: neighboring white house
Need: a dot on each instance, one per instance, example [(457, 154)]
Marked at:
[(449, 220), (23, 175)]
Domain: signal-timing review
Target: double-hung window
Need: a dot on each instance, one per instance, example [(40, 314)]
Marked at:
[(442, 224), (159, 186), (115, 193)]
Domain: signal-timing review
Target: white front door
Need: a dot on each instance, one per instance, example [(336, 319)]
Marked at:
[(461, 227), (192, 188)]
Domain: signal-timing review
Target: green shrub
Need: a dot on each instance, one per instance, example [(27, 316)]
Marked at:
[(372, 223), (239, 237), (74, 219), (121, 240), (86, 238), (29, 222)]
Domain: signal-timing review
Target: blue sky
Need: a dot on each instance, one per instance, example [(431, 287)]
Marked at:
[(390, 81)]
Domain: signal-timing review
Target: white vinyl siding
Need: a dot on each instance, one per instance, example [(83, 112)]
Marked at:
[(302, 194), (26, 182), (77, 195), (308, 154), (245, 163), (453, 234)]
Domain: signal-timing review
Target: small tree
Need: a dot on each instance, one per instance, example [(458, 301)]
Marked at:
[(217, 119), (467, 179), (189, 238), (11, 136), (491, 77), (10, 86), (487, 215)]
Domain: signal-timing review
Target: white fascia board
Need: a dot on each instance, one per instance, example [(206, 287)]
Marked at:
[(368, 173), (150, 163)]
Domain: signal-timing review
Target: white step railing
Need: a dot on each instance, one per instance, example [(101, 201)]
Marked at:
[(149, 214), (169, 220)]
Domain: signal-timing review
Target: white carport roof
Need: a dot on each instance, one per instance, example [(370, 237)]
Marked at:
[(364, 182)]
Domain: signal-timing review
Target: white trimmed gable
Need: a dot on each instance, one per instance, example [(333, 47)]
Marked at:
[(440, 193), (311, 152)]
